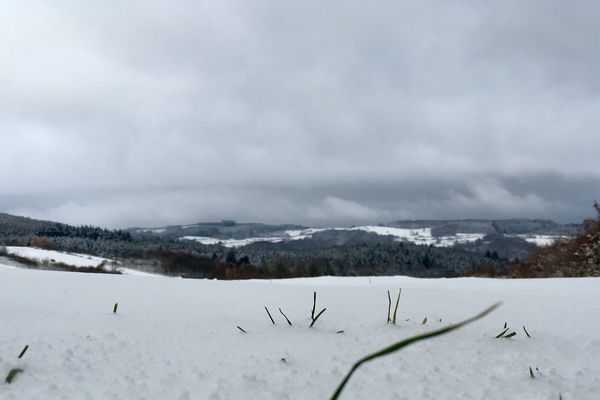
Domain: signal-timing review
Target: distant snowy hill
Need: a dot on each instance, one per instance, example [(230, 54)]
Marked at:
[(436, 233)]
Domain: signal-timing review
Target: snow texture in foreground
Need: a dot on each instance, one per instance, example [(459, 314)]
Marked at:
[(177, 339)]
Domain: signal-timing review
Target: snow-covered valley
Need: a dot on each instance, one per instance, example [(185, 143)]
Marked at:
[(178, 339)]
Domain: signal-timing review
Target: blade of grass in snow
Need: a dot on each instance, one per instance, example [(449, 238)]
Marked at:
[(312, 314), (286, 318), (403, 343), (241, 329), (396, 308), (115, 308), (502, 333), (527, 333), (272, 320), (23, 351), (389, 306), (317, 317), (12, 374), (531, 373)]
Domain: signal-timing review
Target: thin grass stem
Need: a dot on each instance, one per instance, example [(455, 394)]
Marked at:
[(317, 317), (23, 351), (396, 308), (389, 307), (267, 310), (286, 318)]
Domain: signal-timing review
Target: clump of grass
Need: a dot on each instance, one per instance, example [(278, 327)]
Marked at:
[(312, 314), (12, 374), (23, 351), (286, 318), (115, 307), (403, 343), (267, 310)]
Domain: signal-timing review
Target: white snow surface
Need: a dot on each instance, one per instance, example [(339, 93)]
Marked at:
[(541, 240), (53, 256), (177, 338), (71, 259), (418, 236)]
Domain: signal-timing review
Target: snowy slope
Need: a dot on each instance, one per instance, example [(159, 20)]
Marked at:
[(177, 339), (418, 236), (71, 259), (53, 256), (541, 240)]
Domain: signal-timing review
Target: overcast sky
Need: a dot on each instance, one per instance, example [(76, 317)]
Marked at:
[(144, 113)]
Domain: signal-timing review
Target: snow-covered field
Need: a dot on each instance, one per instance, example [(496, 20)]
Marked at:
[(418, 236), (541, 240), (52, 257), (177, 339)]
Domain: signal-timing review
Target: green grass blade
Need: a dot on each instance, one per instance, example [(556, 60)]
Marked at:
[(424, 321), (396, 308), (23, 351), (389, 306), (510, 335), (286, 318), (317, 317), (312, 314), (501, 333), (267, 310), (12, 374), (403, 343), (115, 307), (531, 373)]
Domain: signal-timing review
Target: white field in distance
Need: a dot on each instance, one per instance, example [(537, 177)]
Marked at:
[(421, 236), (71, 259)]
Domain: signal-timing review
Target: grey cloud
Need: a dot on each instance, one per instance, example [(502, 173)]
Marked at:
[(145, 113)]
